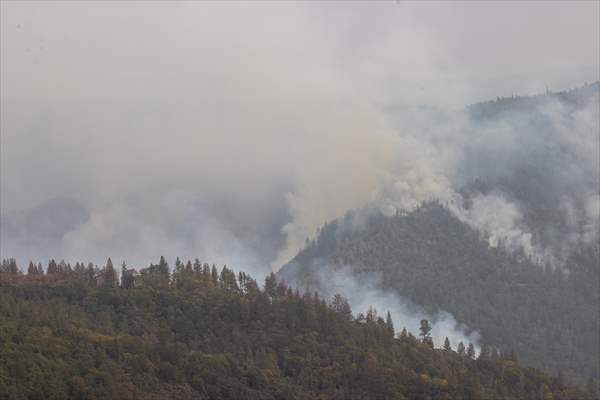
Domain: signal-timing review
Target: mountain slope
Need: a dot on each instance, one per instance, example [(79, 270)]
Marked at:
[(430, 257), (199, 335)]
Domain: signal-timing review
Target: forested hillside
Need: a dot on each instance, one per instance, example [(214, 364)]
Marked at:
[(551, 172), (549, 317), (513, 253), (202, 334)]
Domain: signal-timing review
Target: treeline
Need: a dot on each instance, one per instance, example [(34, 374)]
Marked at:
[(575, 98), (194, 332)]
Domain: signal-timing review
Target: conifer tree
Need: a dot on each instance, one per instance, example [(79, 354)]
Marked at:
[(371, 314), (447, 345), (389, 324), (197, 265), (91, 274), (127, 278), (403, 334), (461, 349), (484, 352), (214, 274), (163, 268), (271, 285), (32, 270), (340, 305), (425, 330), (471, 351), (52, 268), (109, 275)]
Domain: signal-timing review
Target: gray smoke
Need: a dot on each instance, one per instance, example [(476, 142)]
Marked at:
[(364, 291), (232, 131)]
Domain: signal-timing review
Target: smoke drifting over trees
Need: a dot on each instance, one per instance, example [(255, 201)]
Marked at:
[(232, 132)]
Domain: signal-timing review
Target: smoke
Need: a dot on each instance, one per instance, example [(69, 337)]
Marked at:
[(525, 176), (502, 222), (230, 132), (364, 291)]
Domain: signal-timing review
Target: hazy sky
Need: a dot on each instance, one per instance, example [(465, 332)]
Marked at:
[(475, 50), (180, 124)]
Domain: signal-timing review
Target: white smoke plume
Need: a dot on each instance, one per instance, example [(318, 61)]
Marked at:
[(235, 130), (364, 291)]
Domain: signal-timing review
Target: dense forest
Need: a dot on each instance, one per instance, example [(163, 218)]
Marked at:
[(548, 316), (538, 294), (193, 332)]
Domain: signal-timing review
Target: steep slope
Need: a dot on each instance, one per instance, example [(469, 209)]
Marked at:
[(204, 336), (430, 257)]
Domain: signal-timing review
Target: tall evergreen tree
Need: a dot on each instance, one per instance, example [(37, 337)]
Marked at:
[(271, 285), (471, 351), (389, 324), (109, 275), (447, 345), (461, 349), (214, 274), (9, 266), (52, 268), (163, 268), (425, 330), (32, 270), (197, 265), (340, 305), (127, 278), (403, 334)]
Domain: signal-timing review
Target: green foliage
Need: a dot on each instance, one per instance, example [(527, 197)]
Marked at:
[(194, 337), (546, 316), (447, 345)]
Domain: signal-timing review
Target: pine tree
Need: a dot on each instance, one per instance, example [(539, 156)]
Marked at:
[(471, 351), (271, 285), (109, 275), (9, 266), (340, 305), (425, 330), (91, 274), (214, 274), (127, 279), (403, 334), (228, 279), (197, 266), (389, 324), (447, 345), (32, 270), (52, 268), (461, 349), (371, 314), (484, 352), (163, 268)]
